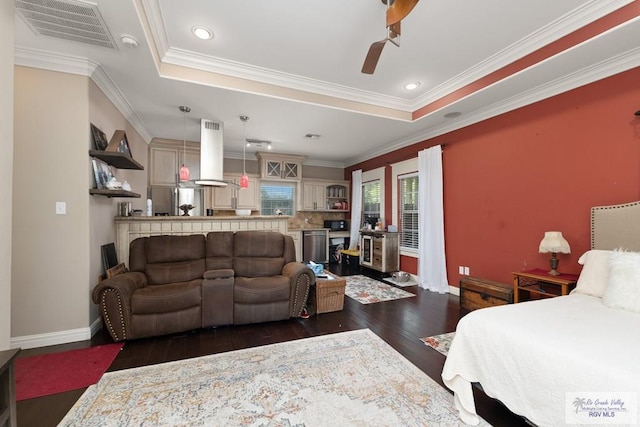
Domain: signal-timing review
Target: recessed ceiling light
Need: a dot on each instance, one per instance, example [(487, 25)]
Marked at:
[(202, 33), (312, 136), (412, 85), (452, 115)]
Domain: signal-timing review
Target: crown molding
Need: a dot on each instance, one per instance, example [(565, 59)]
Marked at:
[(308, 162), (240, 70), (69, 64), (50, 61), (599, 71)]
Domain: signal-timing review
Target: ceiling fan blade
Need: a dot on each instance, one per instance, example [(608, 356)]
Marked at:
[(373, 55), (399, 10)]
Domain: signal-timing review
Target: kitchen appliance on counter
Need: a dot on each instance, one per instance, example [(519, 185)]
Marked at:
[(315, 246), (336, 224)]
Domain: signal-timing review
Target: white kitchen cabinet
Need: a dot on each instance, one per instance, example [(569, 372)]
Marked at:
[(231, 197), (166, 158), (286, 167), (297, 241), (328, 196), (313, 196)]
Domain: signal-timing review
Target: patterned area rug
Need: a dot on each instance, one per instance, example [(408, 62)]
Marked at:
[(349, 378), (366, 290), (441, 342)]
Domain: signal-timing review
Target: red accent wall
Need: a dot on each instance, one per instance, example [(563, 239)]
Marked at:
[(540, 168)]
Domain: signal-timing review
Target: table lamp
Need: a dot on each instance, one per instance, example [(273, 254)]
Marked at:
[(554, 242)]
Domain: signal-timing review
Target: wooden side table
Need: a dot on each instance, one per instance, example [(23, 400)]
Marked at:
[(8, 388), (538, 283)]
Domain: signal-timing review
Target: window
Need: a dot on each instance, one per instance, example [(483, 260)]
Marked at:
[(371, 201), (276, 196), (408, 214)]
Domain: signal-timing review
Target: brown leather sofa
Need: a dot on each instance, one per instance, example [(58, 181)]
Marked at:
[(180, 283)]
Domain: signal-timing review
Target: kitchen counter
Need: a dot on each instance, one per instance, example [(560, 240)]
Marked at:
[(200, 218), (129, 228)]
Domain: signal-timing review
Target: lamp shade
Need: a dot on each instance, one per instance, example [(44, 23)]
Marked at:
[(184, 173), (244, 181), (554, 242)]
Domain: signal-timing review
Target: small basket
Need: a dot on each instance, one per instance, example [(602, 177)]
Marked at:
[(330, 295)]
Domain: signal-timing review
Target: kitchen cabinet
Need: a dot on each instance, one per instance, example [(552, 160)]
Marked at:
[(328, 196), (313, 196), (232, 197), (166, 158), (280, 166), (297, 241)]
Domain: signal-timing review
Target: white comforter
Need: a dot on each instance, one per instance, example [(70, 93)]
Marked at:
[(529, 355)]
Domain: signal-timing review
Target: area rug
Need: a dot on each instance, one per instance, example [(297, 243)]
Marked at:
[(348, 378), (440, 343), (366, 290), (52, 373)]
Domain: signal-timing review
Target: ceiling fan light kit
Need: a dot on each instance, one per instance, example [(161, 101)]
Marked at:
[(397, 10)]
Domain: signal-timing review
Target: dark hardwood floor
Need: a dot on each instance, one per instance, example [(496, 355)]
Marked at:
[(401, 323)]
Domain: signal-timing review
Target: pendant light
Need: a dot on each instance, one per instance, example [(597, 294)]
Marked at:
[(244, 179), (184, 170)]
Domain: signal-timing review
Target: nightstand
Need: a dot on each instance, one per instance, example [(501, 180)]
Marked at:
[(539, 283)]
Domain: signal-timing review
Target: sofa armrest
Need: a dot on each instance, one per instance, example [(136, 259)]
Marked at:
[(114, 297), (223, 273), (301, 278)]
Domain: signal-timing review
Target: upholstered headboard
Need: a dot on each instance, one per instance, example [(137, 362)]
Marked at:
[(616, 226)]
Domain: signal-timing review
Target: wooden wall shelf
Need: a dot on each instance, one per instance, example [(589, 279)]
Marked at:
[(113, 193), (118, 160)]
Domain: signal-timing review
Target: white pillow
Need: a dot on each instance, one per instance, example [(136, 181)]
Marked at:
[(623, 290), (594, 276)]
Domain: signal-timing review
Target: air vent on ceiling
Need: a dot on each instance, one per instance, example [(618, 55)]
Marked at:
[(73, 20), (211, 125)]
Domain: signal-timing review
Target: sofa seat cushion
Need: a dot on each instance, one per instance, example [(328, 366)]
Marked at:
[(259, 290), (155, 299)]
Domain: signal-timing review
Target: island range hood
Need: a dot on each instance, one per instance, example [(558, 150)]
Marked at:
[(211, 154)]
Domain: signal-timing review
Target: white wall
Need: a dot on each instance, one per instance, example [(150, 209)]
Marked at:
[(50, 264), (6, 166)]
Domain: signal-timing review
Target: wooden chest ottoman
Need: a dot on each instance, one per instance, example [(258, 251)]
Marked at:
[(478, 293)]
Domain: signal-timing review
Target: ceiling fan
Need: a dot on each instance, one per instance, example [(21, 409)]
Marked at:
[(397, 10)]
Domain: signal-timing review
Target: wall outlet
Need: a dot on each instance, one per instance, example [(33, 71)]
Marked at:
[(466, 271), (461, 270), (61, 208)]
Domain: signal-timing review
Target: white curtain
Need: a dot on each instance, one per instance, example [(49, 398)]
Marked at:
[(356, 208), (432, 269)]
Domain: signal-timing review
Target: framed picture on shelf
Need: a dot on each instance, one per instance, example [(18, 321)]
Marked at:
[(99, 138), (119, 143), (102, 173)]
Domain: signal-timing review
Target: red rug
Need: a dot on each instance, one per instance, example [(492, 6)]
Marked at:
[(52, 373)]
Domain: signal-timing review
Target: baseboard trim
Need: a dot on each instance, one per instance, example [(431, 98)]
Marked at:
[(453, 290), (55, 338)]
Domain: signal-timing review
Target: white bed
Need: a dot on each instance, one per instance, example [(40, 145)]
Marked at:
[(536, 356)]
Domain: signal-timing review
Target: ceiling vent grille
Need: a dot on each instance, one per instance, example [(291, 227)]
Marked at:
[(73, 20), (211, 125)]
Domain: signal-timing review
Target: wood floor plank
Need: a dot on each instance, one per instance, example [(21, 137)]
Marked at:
[(401, 323)]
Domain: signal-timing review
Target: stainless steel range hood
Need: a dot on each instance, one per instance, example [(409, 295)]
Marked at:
[(211, 154)]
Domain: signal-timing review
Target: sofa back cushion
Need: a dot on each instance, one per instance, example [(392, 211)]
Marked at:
[(219, 250), (169, 259), (258, 253)]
